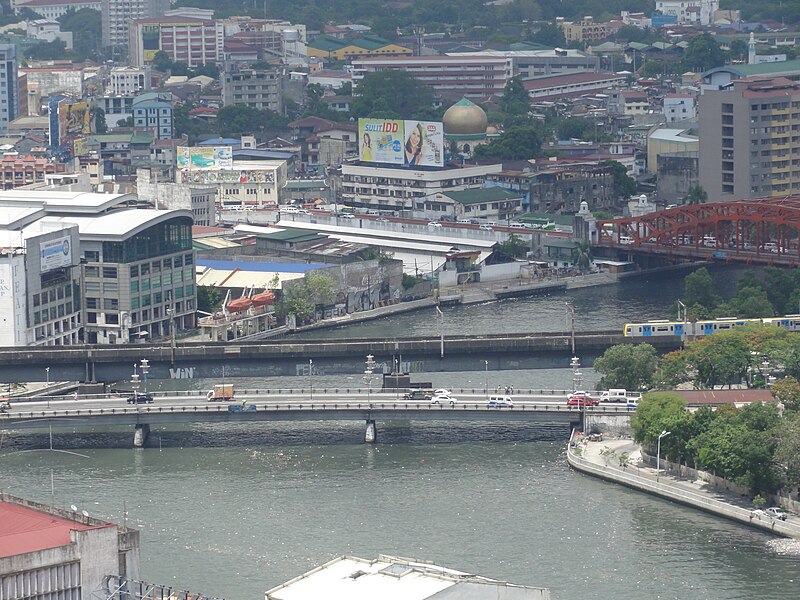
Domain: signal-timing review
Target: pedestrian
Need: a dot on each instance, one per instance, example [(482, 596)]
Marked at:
[(74, 395)]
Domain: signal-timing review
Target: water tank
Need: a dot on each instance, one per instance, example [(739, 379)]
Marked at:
[(291, 35)]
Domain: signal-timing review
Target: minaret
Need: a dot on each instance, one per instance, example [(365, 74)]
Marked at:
[(751, 49)]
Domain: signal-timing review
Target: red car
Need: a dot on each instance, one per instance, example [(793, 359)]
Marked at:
[(582, 399)]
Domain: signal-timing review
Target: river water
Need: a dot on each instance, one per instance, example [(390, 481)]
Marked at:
[(231, 511)]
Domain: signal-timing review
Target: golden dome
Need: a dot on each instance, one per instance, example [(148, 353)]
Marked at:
[(464, 118), (491, 130)]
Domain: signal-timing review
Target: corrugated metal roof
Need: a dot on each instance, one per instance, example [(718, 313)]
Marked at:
[(24, 530), (260, 267)]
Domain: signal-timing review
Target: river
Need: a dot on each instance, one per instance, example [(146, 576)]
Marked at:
[(231, 511)]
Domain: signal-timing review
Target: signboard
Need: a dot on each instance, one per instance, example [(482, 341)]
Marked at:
[(424, 145), (381, 141), (73, 120), (401, 143), (210, 177), (80, 147), (193, 158), (55, 254)]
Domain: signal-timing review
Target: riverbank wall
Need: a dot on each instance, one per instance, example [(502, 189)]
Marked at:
[(620, 462)]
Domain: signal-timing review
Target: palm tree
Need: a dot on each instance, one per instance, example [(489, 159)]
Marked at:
[(582, 256)]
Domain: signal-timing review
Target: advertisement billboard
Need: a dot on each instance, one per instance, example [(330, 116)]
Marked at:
[(73, 120), (401, 143), (424, 143), (381, 141), (55, 254), (210, 177), (194, 158)]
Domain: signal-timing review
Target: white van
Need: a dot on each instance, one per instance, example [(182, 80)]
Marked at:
[(499, 401), (614, 395), (625, 239)]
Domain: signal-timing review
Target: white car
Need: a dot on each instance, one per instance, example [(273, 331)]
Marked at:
[(435, 225), (444, 399), (442, 392), (485, 228)]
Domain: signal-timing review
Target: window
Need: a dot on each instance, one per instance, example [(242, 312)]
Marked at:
[(110, 272), (91, 317), (135, 271), (91, 302), (92, 271), (91, 286), (110, 287), (92, 255), (134, 286), (145, 269), (178, 262), (134, 305), (36, 299), (111, 304), (158, 298), (155, 282), (112, 318)]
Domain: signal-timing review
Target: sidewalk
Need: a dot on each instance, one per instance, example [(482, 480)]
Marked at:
[(587, 457)]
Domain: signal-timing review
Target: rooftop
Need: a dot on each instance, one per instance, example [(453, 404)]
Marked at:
[(490, 194), (559, 80), (121, 224)]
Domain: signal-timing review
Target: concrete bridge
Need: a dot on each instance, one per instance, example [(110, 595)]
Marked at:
[(142, 417), (287, 357)]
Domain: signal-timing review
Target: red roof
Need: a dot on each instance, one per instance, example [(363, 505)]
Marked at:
[(25, 530), (573, 78), (724, 396)]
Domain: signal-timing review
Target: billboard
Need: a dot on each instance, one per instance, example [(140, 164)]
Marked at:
[(401, 143), (80, 147), (211, 177), (55, 254), (193, 158), (73, 120)]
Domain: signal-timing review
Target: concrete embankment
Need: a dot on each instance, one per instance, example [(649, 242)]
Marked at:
[(601, 459)]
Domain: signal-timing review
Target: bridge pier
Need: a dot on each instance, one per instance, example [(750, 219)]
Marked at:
[(371, 433), (140, 435)]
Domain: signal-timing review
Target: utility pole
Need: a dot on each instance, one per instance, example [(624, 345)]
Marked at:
[(441, 331), (571, 317)]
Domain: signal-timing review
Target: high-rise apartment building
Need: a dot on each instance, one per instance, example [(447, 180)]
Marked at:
[(188, 39), (750, 139), (118, 15), (257, 88), (9, 87)]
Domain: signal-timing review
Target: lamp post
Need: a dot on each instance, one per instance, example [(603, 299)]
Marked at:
[(664, 433), (368, 375), (310, 379), (440, 314), (144, 367), (47, 384), (486, 377)]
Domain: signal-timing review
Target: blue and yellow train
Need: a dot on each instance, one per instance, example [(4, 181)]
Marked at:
[(706, 327)]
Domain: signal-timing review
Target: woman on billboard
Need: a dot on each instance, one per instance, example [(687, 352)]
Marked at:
[(414, 145), (366, 148)]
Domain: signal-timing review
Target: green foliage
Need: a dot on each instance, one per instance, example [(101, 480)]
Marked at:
[(87, 33), (409, 281), (787, 449), (787, 391), (703, 53), (515, 99), (696, 195), (209, 298), (162, 61), (393, 94), (628, 366), (516, 143), (580, 128), (99, 116), (699, 289), (47, 50), (237, 119), (513, 247), (624, 185), (759, 501), (582, 256), (657, 412), (549, 34), (301, 298)]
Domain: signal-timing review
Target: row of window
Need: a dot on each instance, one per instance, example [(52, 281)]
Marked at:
[(52, 295), (51, 314), (144, 284), (160, 297), (156, 265)]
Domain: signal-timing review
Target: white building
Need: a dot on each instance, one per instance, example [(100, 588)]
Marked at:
[(392, 577), (255, 183), (200, 200), (9, 92), (261, 89), (689, 12), (60, 554), (406, 191), (118, 15), (48, 30), (53, 9), (679, 107), (128, 81)]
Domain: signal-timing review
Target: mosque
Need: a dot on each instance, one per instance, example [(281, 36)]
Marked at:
[(466, 125)]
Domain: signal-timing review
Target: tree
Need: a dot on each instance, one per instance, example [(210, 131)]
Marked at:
[(513, 247), (516, 143), (703, 53), (162, 61), (99, 120), (47, 50), (392, 94), (582, 256), (300, 298), (719, 359), (699, 289), (696, 195), (628, 366), (624, 185), (787, 391), (87, 32), (515, 99), (209, 298), (236, 119), (738, 49), (656, 412), (550, 34), (787, 450)]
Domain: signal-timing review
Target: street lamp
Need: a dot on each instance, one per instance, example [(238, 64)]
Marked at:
[(664, 433), (144, 366), (310, 380), (368, 375), (47, 384), (440, 314), (486, 377)]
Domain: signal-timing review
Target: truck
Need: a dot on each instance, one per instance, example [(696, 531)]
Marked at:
[(221, 393)]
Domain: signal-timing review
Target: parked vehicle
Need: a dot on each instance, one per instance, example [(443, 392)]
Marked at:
[(632, 403), (242, 408), (614, 395), (140, 398), (776, 512), (581, 400), (418, 395), (222, 392), (442, 392), (485, 228), (625, 239), (500, 401), (434, 225)]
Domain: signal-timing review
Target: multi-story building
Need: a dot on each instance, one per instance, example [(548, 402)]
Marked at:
[(116, 108), (679, 107), (9, 91), (53, 9), (368, 45), (191, 40), (689, 12), (564, 86), (128, 81), (119, 14), (449, 76), (587, 29), (542, 63), (253, 183), (50, 552), (750, 139), (201, 200), (24, 170), (257, 88), (406, 191), (153, 111)]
